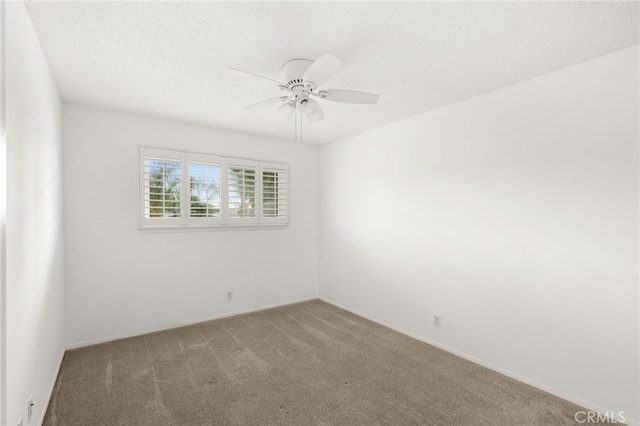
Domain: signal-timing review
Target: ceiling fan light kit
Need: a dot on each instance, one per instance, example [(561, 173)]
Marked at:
[(287, 110), (302, 78)]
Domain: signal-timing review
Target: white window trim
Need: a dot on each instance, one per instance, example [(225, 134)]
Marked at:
[(224, 222)]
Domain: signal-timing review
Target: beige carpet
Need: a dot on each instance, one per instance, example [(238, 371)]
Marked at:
[(303, 364)]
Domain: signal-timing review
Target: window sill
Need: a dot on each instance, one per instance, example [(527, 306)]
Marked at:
[(205, 228)]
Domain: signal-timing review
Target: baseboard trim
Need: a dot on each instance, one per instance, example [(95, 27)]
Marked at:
[(52, 387), (586, 404), (181, 324)]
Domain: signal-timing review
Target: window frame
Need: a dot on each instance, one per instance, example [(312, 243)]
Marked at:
[(225, 220)]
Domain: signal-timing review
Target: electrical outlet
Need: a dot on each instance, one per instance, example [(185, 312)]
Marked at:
[(437, 320), (29, 409), (229, 295), (20, 422)]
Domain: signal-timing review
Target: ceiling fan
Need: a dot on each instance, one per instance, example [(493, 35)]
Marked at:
[(302, 78)]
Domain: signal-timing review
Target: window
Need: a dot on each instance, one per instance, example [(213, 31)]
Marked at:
[(188, 189), (242, 192), (162, 187), (274, 193)]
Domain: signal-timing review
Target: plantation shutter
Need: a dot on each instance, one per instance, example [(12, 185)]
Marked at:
[(161, 187), (275, 192), (242, 192), (182, 189), (205, 189)]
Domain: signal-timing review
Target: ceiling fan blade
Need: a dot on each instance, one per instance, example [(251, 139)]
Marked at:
[(323, 68), (317, 113), (251, 75), (265, 103), (348, 96)]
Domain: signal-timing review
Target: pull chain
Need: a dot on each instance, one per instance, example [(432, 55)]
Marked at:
[(298, 118)]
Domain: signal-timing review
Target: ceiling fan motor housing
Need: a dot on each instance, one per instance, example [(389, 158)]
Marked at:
[(293, 71)]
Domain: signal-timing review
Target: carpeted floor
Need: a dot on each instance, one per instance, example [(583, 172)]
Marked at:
[(309, 363)]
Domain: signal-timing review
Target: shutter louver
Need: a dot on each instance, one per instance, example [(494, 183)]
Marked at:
[(205, 193), (162, 188), (275, 193), (242, 192)]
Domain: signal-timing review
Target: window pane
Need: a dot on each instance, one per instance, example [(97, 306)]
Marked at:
[(271, 187), (162, 188), (205, 189), (242, 192)]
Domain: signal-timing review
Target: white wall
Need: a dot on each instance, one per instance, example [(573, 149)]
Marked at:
[(3, 223), (513, 215), (34, 236), (121, 281)]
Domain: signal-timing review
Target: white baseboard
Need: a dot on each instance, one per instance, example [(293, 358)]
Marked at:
[(52, 388), (588, 405), (181, 324)]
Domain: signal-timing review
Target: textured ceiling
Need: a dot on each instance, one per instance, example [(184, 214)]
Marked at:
[(168, 59)]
